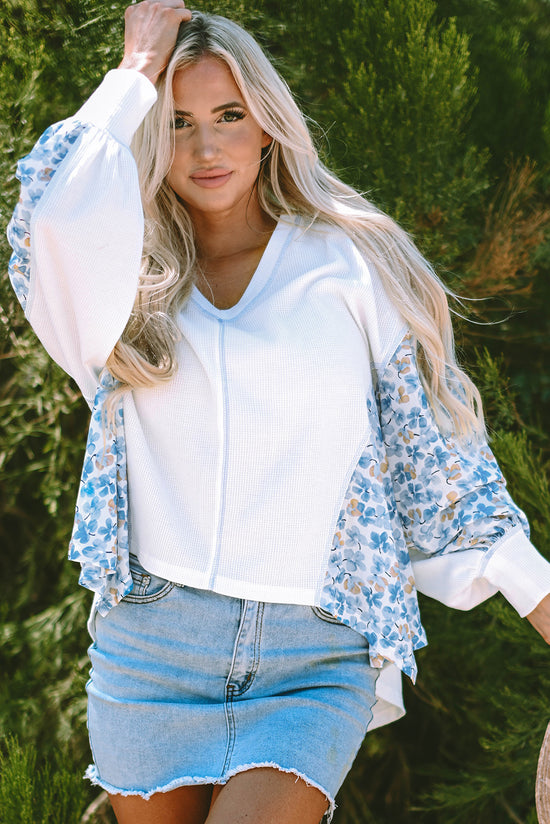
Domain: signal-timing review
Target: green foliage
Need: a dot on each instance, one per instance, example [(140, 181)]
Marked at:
[(45, 668), (510, 45), (488, 733), (495, 690), (86, 34), (510, 49), (38, 794), (401, 112)]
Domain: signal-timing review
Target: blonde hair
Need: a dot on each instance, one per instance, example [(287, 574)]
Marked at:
[(291, 180)]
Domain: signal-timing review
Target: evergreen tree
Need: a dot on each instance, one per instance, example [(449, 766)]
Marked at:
[(510, 45), (400, 113)]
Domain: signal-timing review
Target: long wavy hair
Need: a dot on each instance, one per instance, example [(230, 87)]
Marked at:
[(291, 180)]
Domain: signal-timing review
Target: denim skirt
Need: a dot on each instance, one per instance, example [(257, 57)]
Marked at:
[(191, 687)]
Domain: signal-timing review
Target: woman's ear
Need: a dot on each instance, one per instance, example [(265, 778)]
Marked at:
[(266, 140)]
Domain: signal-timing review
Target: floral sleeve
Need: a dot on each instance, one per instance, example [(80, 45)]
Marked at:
[(77, 230), (35, 172), (449, 496)]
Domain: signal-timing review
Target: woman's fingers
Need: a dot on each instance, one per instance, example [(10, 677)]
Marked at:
[(151, 29), (540, 618)]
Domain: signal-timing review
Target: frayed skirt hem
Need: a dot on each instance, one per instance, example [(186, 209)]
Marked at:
[(188, 781)]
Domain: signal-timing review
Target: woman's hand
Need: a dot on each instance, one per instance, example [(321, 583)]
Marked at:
[(151, 29), (540, 618)]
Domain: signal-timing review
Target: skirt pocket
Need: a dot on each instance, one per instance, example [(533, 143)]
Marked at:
[(147, 587), (325, 616)]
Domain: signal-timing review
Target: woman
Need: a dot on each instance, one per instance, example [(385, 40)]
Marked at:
[(279, 428)]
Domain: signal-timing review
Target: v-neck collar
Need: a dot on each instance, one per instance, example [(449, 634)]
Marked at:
[(262, 273)]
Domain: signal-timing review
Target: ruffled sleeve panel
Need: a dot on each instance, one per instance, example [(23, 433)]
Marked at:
[(77, 230), (466, 537)]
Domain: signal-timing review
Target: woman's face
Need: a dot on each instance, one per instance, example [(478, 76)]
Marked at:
[(218, 143)]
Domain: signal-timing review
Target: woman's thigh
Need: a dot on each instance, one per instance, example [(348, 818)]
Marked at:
[(265, 795), (184, 805)]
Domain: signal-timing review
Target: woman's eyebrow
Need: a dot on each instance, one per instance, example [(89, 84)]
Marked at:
[(231, 105)]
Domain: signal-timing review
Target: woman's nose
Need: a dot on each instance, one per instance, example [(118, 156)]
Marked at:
[(205, 143)]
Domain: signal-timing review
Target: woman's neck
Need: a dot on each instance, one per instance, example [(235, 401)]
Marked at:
[(221, 236), (229, 249)]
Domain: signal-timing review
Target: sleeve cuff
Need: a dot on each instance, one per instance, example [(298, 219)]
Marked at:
[(519, 571), (120, 103), (453, 579)]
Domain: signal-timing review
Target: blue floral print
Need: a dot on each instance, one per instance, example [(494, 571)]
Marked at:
[(369, 581), (100, 534), (413, 488)]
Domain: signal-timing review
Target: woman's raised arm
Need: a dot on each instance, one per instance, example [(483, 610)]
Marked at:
[(77, 230)]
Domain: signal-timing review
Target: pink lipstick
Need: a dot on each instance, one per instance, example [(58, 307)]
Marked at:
[(211, 178)]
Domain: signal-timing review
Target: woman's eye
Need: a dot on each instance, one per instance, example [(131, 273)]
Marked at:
[(180, 122), (232, 115), (229, 116)]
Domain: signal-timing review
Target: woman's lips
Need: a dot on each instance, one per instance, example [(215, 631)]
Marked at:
[(211, 179)]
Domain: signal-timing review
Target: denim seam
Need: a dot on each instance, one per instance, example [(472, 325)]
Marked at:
[(230, 690), (141, 581), (230, 723), (251, 674), (132, 598), (324, 615), (88, 718)]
